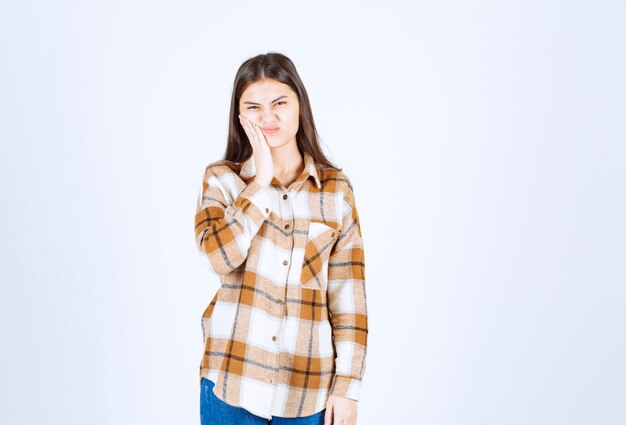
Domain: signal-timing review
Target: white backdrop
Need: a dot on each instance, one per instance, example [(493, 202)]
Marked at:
[(485, 141)]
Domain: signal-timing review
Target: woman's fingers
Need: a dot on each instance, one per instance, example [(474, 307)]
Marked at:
[(328, 416), (260, 134), (260, 137), (248, 128), (254, 132), (260, 148)]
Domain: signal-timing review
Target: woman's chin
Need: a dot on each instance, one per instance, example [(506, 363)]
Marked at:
[(274, 143)]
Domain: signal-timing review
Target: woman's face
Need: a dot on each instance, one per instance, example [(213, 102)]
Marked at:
[(272, 105)]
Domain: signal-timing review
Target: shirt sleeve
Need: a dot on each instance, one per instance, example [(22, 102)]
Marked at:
[(224, 231), (347, 303)]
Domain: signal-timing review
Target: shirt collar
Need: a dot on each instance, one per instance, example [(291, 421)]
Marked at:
[(248, 168)]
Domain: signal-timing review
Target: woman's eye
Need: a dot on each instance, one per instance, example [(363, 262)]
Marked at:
[(278, 103)]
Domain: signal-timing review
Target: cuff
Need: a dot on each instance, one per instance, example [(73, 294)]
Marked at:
[(255, 202), (345, 386)]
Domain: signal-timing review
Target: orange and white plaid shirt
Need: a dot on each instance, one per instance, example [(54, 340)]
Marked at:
[(288, 326)]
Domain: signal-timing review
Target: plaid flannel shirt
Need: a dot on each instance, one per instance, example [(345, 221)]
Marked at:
[(288, 326)]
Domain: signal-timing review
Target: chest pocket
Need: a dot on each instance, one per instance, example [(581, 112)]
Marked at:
[(320, 240)]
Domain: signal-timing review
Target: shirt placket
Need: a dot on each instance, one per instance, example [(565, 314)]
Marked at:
[(285, 210)]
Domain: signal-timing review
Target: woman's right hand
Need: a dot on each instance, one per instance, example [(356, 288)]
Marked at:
[(263, 161)]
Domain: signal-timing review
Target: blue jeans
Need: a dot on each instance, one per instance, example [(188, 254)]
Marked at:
[(214, 411)]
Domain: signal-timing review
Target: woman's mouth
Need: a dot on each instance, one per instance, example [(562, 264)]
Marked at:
[(270, 130)]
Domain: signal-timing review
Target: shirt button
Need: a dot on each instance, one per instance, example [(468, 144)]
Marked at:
[(285, 196), (285, 262), (333, 234), (286, 226), (274, 338), (267, 210), (279, 301)]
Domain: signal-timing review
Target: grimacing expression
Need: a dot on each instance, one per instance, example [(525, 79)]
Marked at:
[(274, 107)]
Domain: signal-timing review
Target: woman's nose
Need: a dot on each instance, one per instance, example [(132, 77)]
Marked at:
[(269, 116)]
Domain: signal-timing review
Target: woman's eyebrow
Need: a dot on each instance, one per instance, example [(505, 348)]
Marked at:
[(254, 103)]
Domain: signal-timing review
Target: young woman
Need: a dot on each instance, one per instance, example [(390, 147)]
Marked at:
[(286, 334)]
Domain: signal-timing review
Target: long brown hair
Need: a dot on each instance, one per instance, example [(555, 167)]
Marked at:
[(280, 68)]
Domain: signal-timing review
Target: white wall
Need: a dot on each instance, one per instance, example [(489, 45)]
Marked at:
[(485, 141)]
